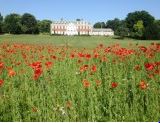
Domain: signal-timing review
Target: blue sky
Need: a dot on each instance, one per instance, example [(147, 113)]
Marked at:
[(89, 10)]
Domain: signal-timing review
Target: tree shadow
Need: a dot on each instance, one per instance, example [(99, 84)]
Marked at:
[(118, 37)]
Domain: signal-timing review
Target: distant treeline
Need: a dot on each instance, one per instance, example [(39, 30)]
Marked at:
[(138, 24), (25, 24)]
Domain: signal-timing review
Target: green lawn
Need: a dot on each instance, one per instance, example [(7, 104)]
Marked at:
[(73, 41)]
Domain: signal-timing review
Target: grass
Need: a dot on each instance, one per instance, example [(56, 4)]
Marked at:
[(73, 41), (43, 82)]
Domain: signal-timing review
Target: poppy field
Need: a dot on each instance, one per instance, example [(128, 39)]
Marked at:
[(60, 83)]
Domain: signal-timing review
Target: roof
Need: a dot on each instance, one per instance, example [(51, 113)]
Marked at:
[(67, 22), (102, 30)]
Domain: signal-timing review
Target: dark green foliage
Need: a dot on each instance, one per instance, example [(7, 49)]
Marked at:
[(1, 21), (119, 27), (152, 32), (78, 19), (1, 18), (44, 26), (122, 31), (12, 24), (99, 25), (134, 17), (29, 24), (138, 30), (113, 24), (139, 23)]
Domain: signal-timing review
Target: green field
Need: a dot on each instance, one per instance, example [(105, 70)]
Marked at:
[(73, 41), (43, 82)]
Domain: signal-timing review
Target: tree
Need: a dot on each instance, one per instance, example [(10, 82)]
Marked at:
[(152, 31), (138, 29), (119, 27), (1, 22), (1, 18), (44, 26), (122, 30), (157, 22), (12, 24), (113, 24), (78, 19), (134, 17), (99, 25), (29, 24)]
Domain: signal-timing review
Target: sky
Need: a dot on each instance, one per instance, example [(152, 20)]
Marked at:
[(88, 10)]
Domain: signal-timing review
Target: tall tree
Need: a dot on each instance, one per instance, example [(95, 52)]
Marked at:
[(1, 18), (1, 21), (152, 31), (99, 25), (138, 29), (29, 24), (113, 24), (157, 22), (12, 23), (119, 27), (44, 26), (122, 29), (134, 17)]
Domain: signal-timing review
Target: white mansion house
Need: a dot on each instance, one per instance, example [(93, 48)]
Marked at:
[(78, 28)]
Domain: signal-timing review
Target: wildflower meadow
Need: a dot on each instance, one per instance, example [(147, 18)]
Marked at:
[(40, 82)]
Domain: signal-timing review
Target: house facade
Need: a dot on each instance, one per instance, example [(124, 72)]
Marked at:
[(103, 31), (77, 28)]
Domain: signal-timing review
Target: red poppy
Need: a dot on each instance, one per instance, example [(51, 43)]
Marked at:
[(83, 68), (53, 57), (96, 55), (143, 85), (114, 84), (107, 50), (48, 64), (1, 82), (81, 55), (88, 56), (37, 73), (94, 68), (1, 65), (11, 73), (143, 48), (149, 66), (72, 55), (35, 65), (86, 83)]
